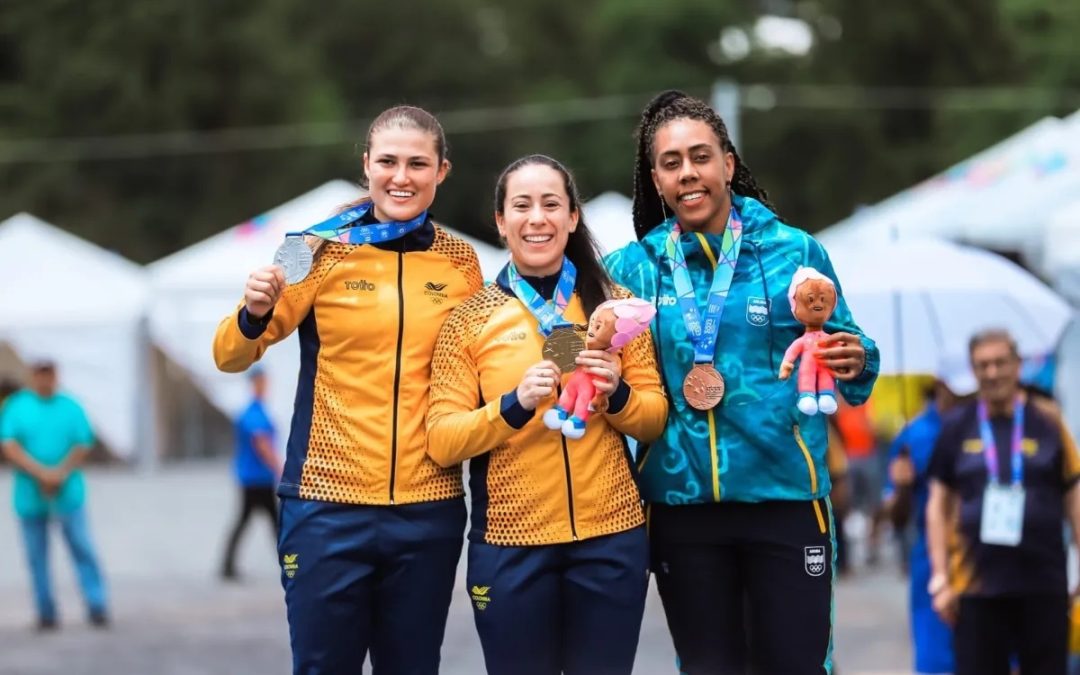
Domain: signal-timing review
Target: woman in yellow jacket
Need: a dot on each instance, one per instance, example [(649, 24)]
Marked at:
[(371, 527), (558, 557)]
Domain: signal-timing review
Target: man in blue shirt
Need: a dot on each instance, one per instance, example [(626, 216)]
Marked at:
[(46, 437), (256, 466), (906, 492)]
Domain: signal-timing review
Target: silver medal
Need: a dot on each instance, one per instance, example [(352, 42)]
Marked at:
[(295, 258)]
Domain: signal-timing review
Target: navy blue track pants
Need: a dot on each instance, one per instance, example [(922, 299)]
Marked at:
[(362, 579)]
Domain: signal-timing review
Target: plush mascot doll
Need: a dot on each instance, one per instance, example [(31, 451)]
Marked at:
[(813, 300), (611, 327)]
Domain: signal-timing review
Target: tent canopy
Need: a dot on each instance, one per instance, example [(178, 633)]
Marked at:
[(52, 277), (66, 299), (611, 221)]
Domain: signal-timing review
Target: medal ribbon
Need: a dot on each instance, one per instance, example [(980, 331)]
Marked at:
[(703, 334), (990, 451), (548, 313), (340, 228)]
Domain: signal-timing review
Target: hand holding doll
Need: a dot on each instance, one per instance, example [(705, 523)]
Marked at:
[(611, 327), (813, 300)]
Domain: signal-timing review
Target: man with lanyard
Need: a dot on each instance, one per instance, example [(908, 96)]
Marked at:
[(904, 497), (1002, 481)]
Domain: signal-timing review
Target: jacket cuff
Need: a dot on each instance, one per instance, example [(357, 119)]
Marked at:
[(512, 412), (618, 398), (252, 328)]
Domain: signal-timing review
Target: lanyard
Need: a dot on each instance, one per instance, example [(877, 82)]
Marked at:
[(548, 313), (340, 228), (703, 334), (990, 451)]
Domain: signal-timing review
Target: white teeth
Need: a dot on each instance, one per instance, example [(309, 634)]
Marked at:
[(692, 196), (400, 193), (537, 238)]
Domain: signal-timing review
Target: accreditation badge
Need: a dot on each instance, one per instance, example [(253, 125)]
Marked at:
[(1002, 521)]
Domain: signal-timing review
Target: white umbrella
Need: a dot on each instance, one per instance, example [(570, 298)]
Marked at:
[(922, 299)]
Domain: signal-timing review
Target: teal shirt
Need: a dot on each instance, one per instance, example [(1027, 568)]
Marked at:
[(48, 429), (755, 445)]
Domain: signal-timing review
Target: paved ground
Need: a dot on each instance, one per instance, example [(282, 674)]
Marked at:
[(161, 536)]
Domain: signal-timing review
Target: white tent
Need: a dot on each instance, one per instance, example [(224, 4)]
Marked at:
[(1061, 250), (935, 207), (66, 299), (197, 286), (611, 221)]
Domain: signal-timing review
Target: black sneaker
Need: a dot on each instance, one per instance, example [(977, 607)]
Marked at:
[(99, 619), (47, 625)]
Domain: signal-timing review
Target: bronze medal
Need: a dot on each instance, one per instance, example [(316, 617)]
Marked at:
[(563, 346), (703, 387)]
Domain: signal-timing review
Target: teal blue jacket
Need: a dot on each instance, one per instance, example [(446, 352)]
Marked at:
[(755, 445)]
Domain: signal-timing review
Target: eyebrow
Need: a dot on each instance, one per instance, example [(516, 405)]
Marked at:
[(546, 195), (692, 148), (390, 155)]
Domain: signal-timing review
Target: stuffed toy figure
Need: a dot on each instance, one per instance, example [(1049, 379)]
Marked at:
[(813, 300), (611, 327)]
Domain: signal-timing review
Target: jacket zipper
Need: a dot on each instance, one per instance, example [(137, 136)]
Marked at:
[(569, 482), (397, 373), (569, 486)]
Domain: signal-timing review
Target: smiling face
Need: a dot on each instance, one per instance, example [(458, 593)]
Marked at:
[(537, 218), (997, 369), (815, 301), (403, 169), (692, 171)]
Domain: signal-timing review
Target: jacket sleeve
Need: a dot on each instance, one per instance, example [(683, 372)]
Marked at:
[(459, 427), (644, 413), (631, 268), (855, 391), (241, 341)]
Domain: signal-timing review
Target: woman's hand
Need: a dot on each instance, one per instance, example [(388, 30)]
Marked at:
[(843, 354), (605, 367), (263, 290), (538, 383)]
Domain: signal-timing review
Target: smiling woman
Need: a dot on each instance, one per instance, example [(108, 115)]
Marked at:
[(379, 279), (737, 484), (557, 549)]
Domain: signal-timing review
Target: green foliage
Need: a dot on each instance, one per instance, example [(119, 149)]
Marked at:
[(279, 92)]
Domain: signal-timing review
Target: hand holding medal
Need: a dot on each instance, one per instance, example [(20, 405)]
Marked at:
[(263, 290)]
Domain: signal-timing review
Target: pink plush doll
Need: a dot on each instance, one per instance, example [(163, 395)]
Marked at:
[(611, 327), (813, 300)]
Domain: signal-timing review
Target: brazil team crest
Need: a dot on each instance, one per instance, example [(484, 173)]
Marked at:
[(757, 311), (814, 560)]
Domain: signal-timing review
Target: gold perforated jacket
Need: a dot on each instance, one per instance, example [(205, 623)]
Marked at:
[(531, 485), (367, 318)]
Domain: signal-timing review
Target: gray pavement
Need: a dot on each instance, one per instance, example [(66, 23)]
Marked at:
[(160, 537)]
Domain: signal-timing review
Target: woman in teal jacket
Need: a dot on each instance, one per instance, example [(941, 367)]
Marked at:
[(740, 521)]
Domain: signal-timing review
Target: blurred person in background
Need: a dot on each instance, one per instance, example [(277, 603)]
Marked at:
[(256, 466), (371, 527), (558, 552), (905, 495), (46, 436), (864, 471), (839, 495), (1002, 482), (740, 523)]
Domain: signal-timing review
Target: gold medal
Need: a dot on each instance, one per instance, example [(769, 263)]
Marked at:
[(563, 346), (703, 387)]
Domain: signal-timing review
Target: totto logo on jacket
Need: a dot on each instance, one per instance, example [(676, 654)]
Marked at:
[(759, 447)]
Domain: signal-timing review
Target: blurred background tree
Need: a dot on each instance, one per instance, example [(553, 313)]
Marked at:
[(145, 127)]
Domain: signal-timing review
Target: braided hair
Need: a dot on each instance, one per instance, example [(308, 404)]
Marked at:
[(668, 106)]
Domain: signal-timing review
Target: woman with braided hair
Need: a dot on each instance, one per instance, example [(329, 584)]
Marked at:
[(740, 521)]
